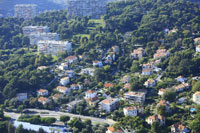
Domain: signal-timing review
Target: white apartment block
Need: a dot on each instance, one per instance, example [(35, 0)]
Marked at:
[(135, 96), (93, 8), (109, 104), (54, 47), (27, 30), (36, 37), (26, 11)]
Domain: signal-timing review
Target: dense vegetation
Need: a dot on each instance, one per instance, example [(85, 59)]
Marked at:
[(127, 24)]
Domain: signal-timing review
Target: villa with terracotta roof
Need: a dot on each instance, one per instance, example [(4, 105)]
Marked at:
[(161, 91), (137, 53), (43, 92), (196, 97), (43, 100), (150, 83), (56, 96), (90, 94), (130, 111), (161, 53), (64, 81), (112, 130), (147, 72), (179, 128), (127, 86), (71, 59), (151, 119), (181, 87), (108, 85), (164, 103), (133, 96), (181, 79), (109, 104), (63, 89)]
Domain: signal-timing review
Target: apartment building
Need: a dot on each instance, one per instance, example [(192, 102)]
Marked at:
[(93, 8), (109, 104), (132, 96), (54, 47), (26, 11), (27, 30), (36, 37)]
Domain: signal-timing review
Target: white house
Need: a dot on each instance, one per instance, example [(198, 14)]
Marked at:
[(90, 94), (181, 79), (113, 130), (153, 118), (43, 92), (150, 83), (198, 48), (109, 104), (196, 97), (161, 91), (43, 100), (21, 96), (70, 73), (63, 89), (63, 66), (71, 59), (130, 111), (88, 71), (132, 96), (97, 63), (76, 86), (64, 81), (147, 72)]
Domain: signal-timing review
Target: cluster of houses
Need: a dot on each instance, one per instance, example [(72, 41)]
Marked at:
[(47, 42)]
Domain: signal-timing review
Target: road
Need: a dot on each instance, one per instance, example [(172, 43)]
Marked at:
[(58, 114)]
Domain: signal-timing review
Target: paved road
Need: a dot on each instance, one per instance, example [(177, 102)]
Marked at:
[(58, 114)]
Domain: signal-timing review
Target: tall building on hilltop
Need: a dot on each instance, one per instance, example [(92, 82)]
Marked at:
[(54, 47), (27, 30), (26, 11), (93, 8), (36, 37)]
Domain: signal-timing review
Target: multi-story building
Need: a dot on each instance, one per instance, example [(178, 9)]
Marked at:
[(93, 8), (63, 89), (135, 96), (54, 47), (158, 118), (36, 37), (26, 11), (109, 104), (27, 30)]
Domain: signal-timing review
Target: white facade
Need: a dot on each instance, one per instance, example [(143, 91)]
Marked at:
[(63, 89), (130, 111), (196, 97), (70, 73), (147, 72), (198, 48), (27, 30), (36, 37), (88, 71), (54, 47), (63, 66), (97, 63), (161, 92), (64, 81), (135, 96), (109, 104), (43, 92), (21, 96), (90, 94), (93, 8), (26, 11)]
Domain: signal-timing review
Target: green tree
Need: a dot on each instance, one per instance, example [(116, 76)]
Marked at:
[(169, 95), (64, 118)]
